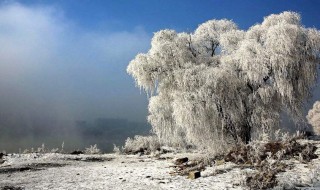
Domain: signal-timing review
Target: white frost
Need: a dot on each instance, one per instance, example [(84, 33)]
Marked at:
[(214, 86)]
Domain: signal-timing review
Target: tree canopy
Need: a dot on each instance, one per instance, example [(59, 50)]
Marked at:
[(218, 84)]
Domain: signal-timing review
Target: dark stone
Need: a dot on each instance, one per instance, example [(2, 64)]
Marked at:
[(194, 175), (24, 169), (308, 133), (76, 152), (180, 161)]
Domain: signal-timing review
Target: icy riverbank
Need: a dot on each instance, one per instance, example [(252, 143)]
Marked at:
[(111, 171)]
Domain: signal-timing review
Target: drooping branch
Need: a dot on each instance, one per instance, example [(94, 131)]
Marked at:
[(219, 99)]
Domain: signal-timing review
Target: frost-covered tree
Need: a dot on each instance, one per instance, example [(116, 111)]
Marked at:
[(214, 86), (314, 117)]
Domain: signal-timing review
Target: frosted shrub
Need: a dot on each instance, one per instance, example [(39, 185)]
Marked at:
[(217, 85), (314, 117), (92, 150), (116, 149), (62, 147), (143, 144), (55, 150), (26, 151), (42, 149), (267, 158)]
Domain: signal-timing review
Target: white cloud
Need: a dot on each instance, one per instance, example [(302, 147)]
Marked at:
[(27, 37), (48, 61)]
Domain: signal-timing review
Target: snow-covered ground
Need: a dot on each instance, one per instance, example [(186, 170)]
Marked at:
[(111, 171)]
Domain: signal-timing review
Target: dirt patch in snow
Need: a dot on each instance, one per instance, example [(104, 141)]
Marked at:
[(30, 167), (91, 159), (12, 188)]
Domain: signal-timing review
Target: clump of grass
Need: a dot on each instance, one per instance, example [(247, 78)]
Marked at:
[(42, 150), (141, 144), (92, 150), (117, 149), (267, 156)]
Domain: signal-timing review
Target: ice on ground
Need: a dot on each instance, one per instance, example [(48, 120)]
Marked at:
[(111, 171)]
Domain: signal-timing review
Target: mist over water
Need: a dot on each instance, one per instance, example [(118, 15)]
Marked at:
[(60, 82), (54, 74), (19, 133)]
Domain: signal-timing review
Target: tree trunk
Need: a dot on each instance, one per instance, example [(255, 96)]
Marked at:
[(245, 135)]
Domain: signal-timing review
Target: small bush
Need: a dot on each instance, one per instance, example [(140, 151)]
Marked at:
[(141, 144), (92, 150), (42, 149), (314, 117), (117, 149)]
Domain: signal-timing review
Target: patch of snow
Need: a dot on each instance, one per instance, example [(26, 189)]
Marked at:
[(112, 171)]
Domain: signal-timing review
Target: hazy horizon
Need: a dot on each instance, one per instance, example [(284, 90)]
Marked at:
[(66, 60)]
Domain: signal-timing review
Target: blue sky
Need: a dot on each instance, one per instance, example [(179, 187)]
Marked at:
[(183, 15), (67, 58)]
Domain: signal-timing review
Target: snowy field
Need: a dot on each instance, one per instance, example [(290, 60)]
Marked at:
[(111, 171)]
